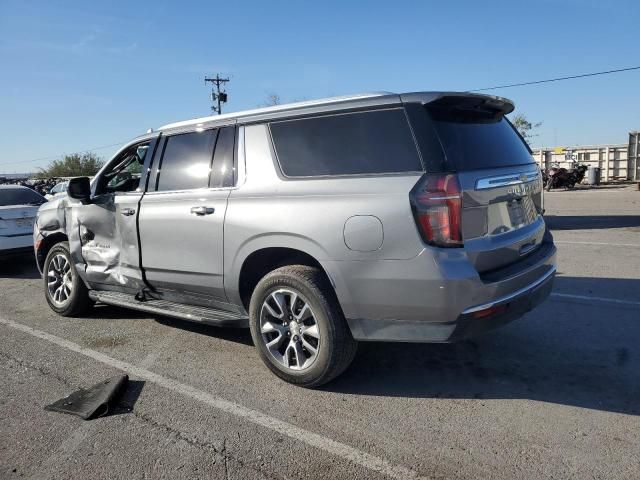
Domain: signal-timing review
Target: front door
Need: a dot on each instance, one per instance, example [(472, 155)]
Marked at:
[(105, 235), (182, 216)]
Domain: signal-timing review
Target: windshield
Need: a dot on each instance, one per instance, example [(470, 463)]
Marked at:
[(20, 196), (473, 141)]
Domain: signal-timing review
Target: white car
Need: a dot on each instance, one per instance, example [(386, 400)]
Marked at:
[(18, 208), (59, 189)]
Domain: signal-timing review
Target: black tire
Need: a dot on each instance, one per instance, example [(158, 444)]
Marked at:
[(336, 348), (78, 301)]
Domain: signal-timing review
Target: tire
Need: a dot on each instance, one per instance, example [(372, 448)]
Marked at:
[(69, 296), (315, 310)]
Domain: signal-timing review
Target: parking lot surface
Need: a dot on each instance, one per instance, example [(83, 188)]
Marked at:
[(552, 395)]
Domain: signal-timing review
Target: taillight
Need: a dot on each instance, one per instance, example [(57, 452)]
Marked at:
[(437, 206)]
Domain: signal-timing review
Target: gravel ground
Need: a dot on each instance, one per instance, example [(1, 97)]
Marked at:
[(552, 395)]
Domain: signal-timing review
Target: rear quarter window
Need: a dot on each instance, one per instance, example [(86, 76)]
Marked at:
[(371, 142), (20, 196)]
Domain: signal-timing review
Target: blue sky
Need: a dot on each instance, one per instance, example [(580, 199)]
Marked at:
[(78, 75)]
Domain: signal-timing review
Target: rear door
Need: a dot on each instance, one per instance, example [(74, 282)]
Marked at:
[(182, 215), (501, 184)]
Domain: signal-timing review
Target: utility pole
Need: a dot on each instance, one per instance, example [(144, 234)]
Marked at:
[(217, 95)]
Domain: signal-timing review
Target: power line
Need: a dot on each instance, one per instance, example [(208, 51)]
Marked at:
[(222, 97), (606, 72), (51, 157)]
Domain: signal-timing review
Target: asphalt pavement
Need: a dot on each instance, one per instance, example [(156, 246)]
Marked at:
[(552, 395)]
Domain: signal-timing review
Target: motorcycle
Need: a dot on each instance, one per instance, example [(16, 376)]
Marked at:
[(545, 177), (561, 177)]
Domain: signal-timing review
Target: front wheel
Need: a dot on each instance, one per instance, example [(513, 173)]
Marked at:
[(298, 326), (64, 290)]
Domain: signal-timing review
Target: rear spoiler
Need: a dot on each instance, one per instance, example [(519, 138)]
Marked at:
[(463, 101)]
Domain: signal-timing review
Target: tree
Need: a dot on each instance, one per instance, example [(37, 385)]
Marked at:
[(524, 126), (74, 165)]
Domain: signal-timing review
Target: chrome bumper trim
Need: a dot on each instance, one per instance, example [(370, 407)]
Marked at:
[(513, 295)]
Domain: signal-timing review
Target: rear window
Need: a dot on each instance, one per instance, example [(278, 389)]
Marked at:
[(20, 196), (471, 143), (370, 142)]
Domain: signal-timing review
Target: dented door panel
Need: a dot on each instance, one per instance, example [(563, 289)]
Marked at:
[(106, 239)]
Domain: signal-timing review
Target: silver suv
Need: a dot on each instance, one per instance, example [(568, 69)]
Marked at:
[(405, 218)]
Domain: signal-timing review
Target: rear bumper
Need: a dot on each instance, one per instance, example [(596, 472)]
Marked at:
[(16, 245), (16, 252), (508, 308), (459, 305)]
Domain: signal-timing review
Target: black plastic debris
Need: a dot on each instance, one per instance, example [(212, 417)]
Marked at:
[(93, 402)]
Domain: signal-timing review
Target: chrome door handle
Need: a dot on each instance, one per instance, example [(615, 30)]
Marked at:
[(202, 210), (127, 211)]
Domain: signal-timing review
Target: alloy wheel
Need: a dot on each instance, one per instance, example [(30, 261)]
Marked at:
[(59, 280), (289, 329)]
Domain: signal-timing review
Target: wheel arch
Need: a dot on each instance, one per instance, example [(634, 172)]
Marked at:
[(261, 261), (46, 244)]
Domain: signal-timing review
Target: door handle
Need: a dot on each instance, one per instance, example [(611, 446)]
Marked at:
[(127, 211), (202, 210)]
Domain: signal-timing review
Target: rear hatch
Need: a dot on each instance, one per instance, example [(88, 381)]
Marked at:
[(18, 208), (500, 184), (17, 220)]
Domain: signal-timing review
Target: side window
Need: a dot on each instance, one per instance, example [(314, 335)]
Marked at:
[(222, 173), (186, 161), (125, 172), (378, 141)]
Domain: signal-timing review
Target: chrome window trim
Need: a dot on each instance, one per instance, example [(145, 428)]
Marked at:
[(506, 180)]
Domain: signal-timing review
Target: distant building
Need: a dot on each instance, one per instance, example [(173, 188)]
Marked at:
[(617, 161)]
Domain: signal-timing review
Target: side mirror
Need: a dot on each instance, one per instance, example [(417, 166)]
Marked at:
[(80, 189)]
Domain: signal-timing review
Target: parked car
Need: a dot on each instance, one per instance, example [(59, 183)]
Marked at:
[(18, 208), (58, 189), (404, 218)]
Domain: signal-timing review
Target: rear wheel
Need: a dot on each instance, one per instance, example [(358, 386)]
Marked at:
[(298, 326), (64, 290)]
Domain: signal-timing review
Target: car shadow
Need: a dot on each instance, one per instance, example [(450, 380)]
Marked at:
[(109, 312), (23, 266), (237, 335), (591, 222), (565, 353)]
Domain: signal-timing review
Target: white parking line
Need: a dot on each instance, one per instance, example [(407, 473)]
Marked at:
[(594, 299), (312, 439), (598, 243)]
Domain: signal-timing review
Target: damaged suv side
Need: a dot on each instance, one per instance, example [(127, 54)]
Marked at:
[(410, 218)]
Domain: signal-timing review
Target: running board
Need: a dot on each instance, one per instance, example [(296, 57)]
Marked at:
[(221, 318)]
